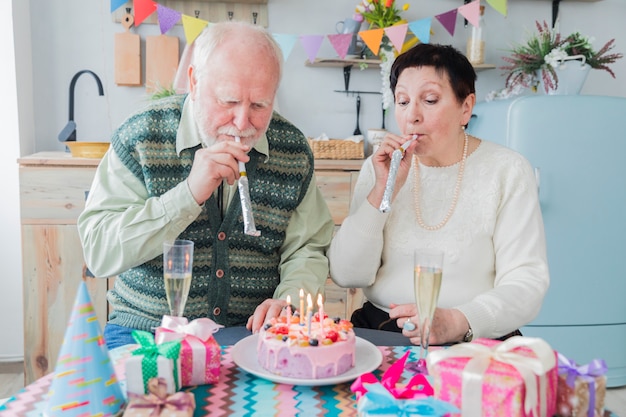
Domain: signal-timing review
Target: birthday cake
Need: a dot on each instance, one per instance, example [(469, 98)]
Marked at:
[(304, 351)]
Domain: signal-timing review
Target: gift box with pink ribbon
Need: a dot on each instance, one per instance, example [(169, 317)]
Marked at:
[(581, 389), (388, 397), (514, 378), (200, 353), (159, 403)]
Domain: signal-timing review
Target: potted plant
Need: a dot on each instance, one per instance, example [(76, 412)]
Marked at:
[(380, 14), (545, 51)]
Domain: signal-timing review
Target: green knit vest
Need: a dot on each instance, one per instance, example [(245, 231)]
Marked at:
[(232, 272)]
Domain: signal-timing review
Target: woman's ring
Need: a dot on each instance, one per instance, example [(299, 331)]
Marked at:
[(408, 326)]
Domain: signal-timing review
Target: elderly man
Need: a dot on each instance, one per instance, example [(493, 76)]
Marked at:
[(172, 173)]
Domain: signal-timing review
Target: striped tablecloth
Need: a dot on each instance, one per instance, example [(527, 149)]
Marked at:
[(238, 393)]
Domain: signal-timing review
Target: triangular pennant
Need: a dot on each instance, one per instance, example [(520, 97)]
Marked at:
[(116, 4), (372, 39), (167, 18), (192, 27), (448, 20), (84, 381), (311, 44), (499, 5), (396, 35), (421, 29), (341, 43), (143, 9), (286, 43), (471, 11)]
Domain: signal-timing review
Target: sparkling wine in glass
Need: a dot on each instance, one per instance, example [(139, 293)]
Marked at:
[(177, 267), (428, 268)]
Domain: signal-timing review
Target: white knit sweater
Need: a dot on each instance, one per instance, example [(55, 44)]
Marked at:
[(495, 264)]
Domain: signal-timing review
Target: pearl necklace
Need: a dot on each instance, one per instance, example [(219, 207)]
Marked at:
[(455, 198)]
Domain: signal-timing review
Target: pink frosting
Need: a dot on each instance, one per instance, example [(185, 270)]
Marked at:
[(309, 362)]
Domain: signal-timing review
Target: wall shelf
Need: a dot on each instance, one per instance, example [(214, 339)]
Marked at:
[(209, 10), (367, 63), (342, 63)]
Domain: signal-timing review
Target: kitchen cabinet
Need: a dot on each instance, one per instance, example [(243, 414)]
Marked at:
[(336, 180), (53, 187)]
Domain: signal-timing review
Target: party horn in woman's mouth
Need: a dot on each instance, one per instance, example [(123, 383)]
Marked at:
[(396, 157)]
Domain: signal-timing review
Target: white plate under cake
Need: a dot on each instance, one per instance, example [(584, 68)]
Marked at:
[(244, 355)]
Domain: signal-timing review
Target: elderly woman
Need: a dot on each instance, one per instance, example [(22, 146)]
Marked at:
[(475, 200)]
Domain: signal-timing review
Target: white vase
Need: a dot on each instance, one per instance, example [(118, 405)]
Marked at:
[(571, 72)]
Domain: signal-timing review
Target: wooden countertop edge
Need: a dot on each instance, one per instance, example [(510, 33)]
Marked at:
[(338, 164), (57, 159), (66, 159)]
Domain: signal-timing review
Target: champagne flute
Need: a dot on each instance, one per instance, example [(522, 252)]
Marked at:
[(428, 267), (177, 267)]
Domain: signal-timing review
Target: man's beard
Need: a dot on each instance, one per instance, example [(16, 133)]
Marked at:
[(248, 137)]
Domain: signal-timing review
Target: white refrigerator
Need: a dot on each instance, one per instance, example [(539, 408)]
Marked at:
[(577, 145)]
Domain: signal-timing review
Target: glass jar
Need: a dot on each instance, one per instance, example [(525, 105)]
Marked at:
[(476, 42)]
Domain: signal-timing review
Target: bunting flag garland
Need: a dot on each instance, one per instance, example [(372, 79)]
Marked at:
[(372, 39), (471, 12), (448, 20), (286, 43), (499, 5), (341, 43), (116, 4), (311, 44), (421, 29), (143, 9), (167, 18), (192, 26), (397, 34)]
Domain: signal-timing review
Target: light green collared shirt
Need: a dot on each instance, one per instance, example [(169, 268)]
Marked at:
[(122, 227)]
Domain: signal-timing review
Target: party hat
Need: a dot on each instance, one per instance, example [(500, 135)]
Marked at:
[(84, 382)]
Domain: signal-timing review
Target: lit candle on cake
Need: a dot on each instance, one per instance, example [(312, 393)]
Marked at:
[(320, 313), (301, 307), (288, 309), (309, 311)]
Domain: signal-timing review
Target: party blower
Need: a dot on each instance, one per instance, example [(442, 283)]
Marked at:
[(396, 157), (244, 194)]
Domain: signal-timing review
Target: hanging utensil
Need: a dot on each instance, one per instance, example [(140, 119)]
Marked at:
[(384, 112), (357, 131)]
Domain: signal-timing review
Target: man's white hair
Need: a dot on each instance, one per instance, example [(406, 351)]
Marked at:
[(215, 33)]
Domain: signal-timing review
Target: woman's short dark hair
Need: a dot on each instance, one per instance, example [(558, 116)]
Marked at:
[(445, 59)]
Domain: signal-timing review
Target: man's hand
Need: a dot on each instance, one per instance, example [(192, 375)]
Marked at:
[(213, 164), (265, 311)]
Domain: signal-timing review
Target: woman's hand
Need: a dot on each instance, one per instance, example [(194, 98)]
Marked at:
[(382, 162), (449, 325)]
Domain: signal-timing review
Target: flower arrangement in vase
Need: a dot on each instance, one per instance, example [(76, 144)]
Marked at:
[(380, 14), (544, 52)]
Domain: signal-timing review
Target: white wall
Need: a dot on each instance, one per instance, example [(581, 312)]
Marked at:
[(70, 35), (11, 322)]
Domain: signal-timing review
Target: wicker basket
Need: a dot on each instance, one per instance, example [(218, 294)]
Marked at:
[(337, 149)]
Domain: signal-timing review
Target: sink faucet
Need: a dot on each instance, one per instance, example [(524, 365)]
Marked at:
[(68, 134)]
